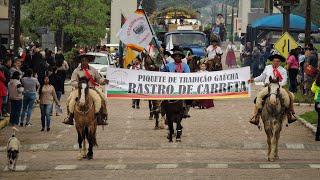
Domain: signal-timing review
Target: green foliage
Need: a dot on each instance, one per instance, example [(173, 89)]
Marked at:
[(310, 116), (315, 13), (84, 21)]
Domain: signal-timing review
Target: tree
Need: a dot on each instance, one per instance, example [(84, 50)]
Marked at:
[(84, 22)]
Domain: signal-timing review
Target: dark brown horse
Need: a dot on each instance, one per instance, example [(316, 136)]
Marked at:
[(214, 64), (85, 122), (154, 105)]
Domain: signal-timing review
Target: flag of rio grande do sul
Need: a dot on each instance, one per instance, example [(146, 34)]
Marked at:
[(136, 31)]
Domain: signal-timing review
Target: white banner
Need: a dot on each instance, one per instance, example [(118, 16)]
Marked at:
[(140, 84), (136, 31)]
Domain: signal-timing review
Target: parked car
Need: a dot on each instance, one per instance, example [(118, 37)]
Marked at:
[(101, 62), (315, 37)]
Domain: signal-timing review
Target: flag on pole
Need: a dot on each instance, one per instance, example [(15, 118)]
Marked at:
[(136, 31), (132, 52)]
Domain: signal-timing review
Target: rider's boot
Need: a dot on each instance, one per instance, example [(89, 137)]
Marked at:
[(291, 117), (99, 119), (178, 137), (256, 118), (69, 120)]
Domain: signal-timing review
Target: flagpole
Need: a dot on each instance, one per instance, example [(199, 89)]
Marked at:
[(153, 34)]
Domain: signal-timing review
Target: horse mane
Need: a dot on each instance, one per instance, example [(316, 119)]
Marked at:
[(274, 80)]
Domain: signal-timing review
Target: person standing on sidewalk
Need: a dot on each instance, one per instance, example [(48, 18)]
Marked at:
[(315, 88), (31, 86), (293, 69), (47, 95), (16, 89), (231, 60), (6, 71), (3, 91)]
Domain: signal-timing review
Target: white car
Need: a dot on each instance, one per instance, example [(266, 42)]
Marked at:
[(101, 62)]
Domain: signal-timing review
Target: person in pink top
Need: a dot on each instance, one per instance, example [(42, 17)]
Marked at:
[(293, 69)]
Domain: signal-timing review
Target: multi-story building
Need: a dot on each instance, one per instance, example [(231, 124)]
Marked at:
[(4, 23)]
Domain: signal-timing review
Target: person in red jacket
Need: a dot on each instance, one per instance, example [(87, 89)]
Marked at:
[(3, 90)]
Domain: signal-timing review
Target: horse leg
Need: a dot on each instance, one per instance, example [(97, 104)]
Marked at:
[(150, 109), (170, 125), (277, 134), (156, 116), (90, 142), (179, 128), (273, 143), (269, 135), (80, 139)]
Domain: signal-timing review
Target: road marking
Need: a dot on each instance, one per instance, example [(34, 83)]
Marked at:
[(269, 166), (65, 167), (76, 146), (294, 146), (217, 166), (115, 166), (39, 146), (253, 145), (166, 166), (59, 136), (18, 168), (314, 166)]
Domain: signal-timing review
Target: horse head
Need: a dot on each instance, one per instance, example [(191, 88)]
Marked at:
[(273, 91), (83, 88)]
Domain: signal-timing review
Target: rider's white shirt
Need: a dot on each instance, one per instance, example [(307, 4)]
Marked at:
[(213, 52), (268, 71)]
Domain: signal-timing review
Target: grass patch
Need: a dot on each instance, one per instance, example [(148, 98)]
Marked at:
[(301, 98), (310, 116)]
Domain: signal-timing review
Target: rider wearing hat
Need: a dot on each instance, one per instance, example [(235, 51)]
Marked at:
[(177, 65), (84, 70), (275, 71)]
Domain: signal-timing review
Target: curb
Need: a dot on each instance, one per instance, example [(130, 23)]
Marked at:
[(307, 124), (4, 122)]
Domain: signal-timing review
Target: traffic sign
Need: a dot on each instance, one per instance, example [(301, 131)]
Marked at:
[(285, 44)]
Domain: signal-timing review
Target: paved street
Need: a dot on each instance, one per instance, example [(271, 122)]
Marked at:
[(216, 143)]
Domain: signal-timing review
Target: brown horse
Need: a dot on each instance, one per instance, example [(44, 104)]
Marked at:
[(214, 64), (85, 122), (273, 114), (154, 105)]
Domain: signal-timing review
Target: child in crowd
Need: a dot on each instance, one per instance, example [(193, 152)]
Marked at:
[(136, 66)]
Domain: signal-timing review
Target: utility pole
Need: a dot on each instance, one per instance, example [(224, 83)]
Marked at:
[(16, 27), (232, 21), (286, 18), (308, 23), (271, 7)]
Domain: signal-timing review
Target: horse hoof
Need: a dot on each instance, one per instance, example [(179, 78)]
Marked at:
[(156, 128), (178, 140)]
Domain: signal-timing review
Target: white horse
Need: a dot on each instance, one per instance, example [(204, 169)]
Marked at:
[(273, 114)]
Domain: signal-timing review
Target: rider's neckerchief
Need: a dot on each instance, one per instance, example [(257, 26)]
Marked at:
[(277, 73), (88, 75), (179, 68)]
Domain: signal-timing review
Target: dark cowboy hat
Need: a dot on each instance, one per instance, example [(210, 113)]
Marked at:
[(177, 51), (277, 56), (167, 53)]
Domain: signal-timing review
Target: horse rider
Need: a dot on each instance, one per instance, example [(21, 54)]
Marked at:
[(275, 70), (84, 70), (178, 67), (214, 49)]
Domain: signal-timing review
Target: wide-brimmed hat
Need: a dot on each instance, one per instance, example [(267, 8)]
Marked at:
[(277, 56), (177, 51)]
